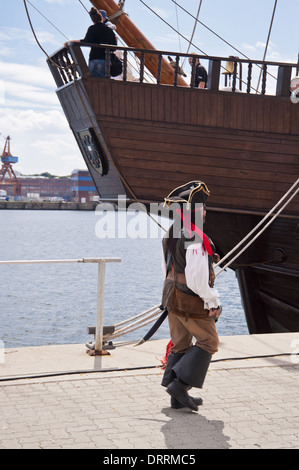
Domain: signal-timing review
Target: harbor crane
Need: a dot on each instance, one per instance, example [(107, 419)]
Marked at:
[(7, 174)]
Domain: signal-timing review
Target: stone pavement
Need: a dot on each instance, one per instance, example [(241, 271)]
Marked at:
[(248, 403)]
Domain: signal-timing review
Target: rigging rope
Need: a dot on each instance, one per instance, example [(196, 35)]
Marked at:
[(257, 226), (168, 24), (178, 27), (209, 29), (150, 310), (221, 38), (144, 321), (184, 37), (36, 38), (194, 28), (83, 6), (268, 38), (50, 22), (32, 29)]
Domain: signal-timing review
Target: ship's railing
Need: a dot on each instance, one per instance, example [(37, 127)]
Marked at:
[(68, 64), (100, 289)]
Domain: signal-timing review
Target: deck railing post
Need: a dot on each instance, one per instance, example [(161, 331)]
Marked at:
[(283, 81), (214, 75), (100, 309)]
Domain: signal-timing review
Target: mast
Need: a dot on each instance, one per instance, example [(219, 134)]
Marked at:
[(133, 37)]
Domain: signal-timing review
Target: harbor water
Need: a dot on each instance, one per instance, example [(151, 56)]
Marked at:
[(45, 304)]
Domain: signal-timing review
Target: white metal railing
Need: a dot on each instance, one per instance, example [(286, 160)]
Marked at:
[(100, 289)]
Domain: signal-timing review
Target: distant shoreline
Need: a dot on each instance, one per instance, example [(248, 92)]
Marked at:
[(36, 205)]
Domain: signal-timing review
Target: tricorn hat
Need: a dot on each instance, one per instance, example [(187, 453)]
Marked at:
[(190, 193)]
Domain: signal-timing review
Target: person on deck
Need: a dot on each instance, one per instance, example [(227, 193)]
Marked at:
[(98, 33), (106, 20), (188, 294), (200, 75)]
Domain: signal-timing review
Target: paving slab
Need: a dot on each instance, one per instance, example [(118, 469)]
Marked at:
[(261, 350), (116, 403)]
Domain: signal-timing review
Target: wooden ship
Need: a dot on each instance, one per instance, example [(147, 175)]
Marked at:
[(143, 139)]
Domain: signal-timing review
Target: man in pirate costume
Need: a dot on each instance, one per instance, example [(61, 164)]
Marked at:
[(188, 294)]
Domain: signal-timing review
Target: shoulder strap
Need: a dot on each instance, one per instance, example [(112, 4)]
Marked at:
[(173, 273), (168, 261)]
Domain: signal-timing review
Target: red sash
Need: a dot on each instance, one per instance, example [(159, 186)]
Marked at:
[(190, 226)]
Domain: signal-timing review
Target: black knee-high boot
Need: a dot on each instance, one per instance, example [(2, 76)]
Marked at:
[(193, 367), (169, 375), (176, 405), (190, 371), (178, 390)]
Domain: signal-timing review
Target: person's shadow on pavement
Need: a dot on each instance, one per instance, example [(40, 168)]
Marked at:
[(189, 430)]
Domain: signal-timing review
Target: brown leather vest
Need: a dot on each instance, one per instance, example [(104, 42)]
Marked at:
[(177, 278)]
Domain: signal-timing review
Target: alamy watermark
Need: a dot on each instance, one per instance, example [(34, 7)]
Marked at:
[(131, 221)]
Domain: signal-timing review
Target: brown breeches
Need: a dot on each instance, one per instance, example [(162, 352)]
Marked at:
[(202, 329)]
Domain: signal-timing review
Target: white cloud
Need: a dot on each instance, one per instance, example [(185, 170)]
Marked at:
[(258, 46), (248, 47), (5, 51), (7, 33), (10, 36), (2, 92), (27, 120), (170, 38), (53, 152), (262, 45), (163, 13), (32, 74), (19, 93), (273, 52), (44, 37), (49, 146), (27, 85), (13, 35), (41, 140)]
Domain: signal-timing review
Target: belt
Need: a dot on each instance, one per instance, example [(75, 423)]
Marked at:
[(179, 277)]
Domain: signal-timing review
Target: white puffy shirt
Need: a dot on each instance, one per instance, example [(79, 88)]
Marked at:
[(197, 275)]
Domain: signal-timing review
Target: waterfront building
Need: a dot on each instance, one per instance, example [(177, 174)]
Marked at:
[(83, 188)]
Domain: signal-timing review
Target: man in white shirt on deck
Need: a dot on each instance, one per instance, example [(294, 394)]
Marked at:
[(188, 294)]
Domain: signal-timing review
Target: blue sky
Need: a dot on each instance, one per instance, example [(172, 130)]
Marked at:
[(30, 111)]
